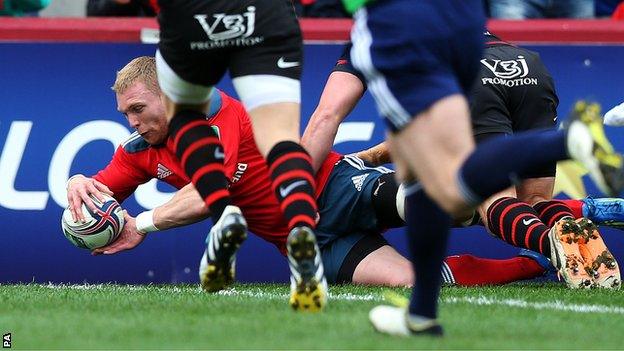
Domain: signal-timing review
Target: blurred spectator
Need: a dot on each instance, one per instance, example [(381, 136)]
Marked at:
[(22, 7), (525, 9), (122, 8)]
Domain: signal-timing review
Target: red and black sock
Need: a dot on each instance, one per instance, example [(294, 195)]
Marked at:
[(201, 155), (517, 223), (552, 211), (468, 270), (292, 180), (576, 206)]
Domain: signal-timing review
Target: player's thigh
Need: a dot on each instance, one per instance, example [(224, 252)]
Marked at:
[(434, 146), (384, 266)]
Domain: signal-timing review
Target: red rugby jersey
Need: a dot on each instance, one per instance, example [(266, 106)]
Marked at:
[(136, 162)]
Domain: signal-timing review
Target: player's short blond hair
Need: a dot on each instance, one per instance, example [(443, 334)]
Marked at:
[(141, 69)]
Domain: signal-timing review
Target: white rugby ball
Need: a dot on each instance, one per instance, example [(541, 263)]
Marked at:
[(100, 228)]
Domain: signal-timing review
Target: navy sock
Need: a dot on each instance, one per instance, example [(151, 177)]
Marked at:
[(506, 159), (428, 229)]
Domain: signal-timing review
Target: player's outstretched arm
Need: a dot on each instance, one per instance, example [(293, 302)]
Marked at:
[(341, 93), (377, 155), (79, 189), (184, 208)]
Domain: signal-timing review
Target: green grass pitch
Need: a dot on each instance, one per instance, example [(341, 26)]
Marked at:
[(519, 316)]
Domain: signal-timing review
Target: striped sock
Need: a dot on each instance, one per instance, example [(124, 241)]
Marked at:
[(552, 211), (517, 223), (201, 155), (468, 270), (292, 180)]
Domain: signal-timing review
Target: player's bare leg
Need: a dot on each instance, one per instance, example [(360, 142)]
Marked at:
[(384, 266)]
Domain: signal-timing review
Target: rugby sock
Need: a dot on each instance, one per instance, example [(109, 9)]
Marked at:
[(468, 270), (552, 211), (507, 159), (576, 207), (292, 180), (428, 228), (517, 223), (201, 155)]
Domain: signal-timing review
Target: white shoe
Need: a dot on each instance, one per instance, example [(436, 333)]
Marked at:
[(615, 116), (395, 321), (308, 287), (217, 265)]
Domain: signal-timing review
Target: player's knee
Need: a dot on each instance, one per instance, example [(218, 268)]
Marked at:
[(450, 201)]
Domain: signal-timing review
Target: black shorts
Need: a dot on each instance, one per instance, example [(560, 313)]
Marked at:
[(514, 93), (201, 39)]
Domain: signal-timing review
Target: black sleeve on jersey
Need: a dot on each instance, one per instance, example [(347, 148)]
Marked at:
[(344, 64)]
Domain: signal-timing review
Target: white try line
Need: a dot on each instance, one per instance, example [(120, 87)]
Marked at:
[(256, 293)]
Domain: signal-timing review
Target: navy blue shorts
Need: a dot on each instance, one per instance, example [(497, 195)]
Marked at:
[(346, 211), (416, 52)]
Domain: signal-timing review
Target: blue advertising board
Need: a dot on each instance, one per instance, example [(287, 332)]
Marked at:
[(58, 117)]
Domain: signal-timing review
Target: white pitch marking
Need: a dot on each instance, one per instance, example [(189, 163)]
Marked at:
[(556, 305)]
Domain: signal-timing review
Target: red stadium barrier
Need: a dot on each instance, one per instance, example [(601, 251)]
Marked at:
[(129, 30)]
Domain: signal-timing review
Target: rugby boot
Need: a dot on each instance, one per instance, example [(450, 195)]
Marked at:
[(605, 211), (308, 287), (217, 266), (565, 254), (588, 144), (599, 262), (395, 320)]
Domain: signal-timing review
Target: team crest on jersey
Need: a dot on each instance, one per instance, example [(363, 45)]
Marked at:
[(228, 30), (162, 172), (508, 72)]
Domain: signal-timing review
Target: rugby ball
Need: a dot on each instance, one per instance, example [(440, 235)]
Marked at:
[(100, 228)]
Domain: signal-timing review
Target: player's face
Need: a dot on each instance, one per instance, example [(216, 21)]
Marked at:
[(145, 112)]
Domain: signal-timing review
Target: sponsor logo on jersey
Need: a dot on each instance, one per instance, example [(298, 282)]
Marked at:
[(240, 170), (162, 172), (358, 181), (510, 73), (227, 30)]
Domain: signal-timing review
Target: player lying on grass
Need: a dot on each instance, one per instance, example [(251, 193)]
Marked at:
[(524, 219), (357, 202)]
